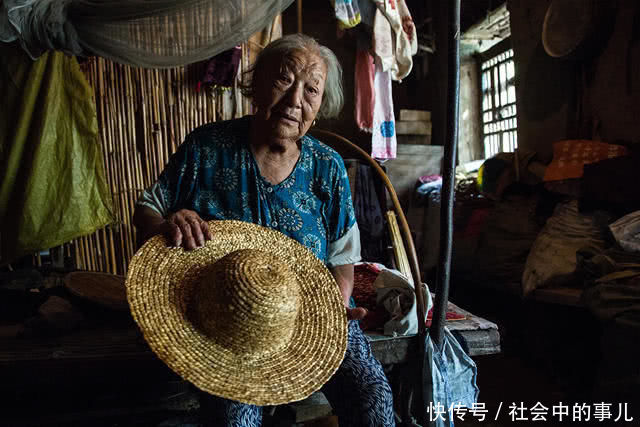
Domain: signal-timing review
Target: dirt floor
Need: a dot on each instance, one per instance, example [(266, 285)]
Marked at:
[(556, 359)]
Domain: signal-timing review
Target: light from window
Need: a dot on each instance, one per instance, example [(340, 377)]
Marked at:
[(499, 121)]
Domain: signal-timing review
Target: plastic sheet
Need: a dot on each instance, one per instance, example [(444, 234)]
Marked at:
[(52, 183)]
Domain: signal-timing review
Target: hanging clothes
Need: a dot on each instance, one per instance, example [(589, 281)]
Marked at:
[(369, 212), (364, 92), (347, 13), (222, 69), (52, 183), (394, 37), (383, 139)]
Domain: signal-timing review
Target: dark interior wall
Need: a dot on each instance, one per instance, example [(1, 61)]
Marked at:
[(569, 98)]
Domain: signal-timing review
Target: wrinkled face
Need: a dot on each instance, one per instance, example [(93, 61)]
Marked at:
[(289, 93)]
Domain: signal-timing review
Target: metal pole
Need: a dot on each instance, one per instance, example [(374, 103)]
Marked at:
[(446, 210)]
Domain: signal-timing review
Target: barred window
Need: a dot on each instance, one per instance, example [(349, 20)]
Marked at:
[(499, 104)]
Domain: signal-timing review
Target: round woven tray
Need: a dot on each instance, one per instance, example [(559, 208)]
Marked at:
[(105, 289)]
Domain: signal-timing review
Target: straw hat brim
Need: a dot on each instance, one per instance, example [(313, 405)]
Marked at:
[(159, 284)]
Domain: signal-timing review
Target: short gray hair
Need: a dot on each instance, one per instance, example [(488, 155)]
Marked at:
[(332, 98)]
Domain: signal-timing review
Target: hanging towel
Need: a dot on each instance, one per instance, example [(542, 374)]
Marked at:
[(347, 13), (394, 37), (52, 183), (365, 71), (383, 38), (383, 140)]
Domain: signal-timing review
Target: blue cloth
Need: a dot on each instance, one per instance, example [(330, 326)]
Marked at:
[(215, 174), (358, 392), (449, 380)]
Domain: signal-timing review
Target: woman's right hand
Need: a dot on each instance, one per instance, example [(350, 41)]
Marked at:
[(185, 228)]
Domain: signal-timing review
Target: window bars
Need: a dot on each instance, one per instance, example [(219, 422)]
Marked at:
[(499, 123)]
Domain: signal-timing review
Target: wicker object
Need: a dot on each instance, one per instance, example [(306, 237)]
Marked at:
[(105, 289), (252, 316)]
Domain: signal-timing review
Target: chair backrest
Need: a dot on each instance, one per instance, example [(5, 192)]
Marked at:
[(349, 150)]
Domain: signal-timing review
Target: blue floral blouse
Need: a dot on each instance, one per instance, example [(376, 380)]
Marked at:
[(215, 174)]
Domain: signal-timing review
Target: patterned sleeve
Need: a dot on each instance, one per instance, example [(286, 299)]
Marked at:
[(175, 184), (344, 236), (153, 198)]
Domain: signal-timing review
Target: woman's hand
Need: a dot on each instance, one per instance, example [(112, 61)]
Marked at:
[(357, 313), (185, 228), (344, 277)]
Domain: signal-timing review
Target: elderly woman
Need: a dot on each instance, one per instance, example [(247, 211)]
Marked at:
[(266, 170)]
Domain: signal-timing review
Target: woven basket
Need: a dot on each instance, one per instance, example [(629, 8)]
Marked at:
[(105, 289)]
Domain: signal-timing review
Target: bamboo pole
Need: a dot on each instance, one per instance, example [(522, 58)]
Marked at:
[(112, 249), (76, 256), (163, 125), (97, 251), (399, 252)]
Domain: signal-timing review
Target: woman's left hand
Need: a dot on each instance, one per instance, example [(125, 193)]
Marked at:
[(344, 277), (357, 313)]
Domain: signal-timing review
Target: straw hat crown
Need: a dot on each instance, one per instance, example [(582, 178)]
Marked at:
[(252, 316), (248, 303)]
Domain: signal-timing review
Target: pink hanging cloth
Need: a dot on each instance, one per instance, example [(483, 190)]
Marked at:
[(364, 90)]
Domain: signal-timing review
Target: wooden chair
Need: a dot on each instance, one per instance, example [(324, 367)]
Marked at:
[(403, 246)]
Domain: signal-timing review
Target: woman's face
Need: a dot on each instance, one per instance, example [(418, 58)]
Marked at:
[(289, 94)]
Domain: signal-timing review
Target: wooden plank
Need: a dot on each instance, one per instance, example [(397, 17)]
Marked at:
[(415, 115), (414, 139), (413, 128), (393, 350)]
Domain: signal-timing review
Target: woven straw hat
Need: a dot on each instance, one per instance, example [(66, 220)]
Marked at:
[(252, 316)]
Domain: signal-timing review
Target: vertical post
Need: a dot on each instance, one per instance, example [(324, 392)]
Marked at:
[(299, 4), (436, 331)]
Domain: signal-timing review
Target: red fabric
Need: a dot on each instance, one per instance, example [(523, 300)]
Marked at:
[(476, 222), (569, 157), (364, 94), (364, 294), (450, 316)]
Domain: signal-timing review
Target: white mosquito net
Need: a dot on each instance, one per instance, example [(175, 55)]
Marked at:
[(143, 33)]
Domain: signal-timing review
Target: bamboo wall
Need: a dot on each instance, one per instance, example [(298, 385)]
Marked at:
[(143, 116)]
